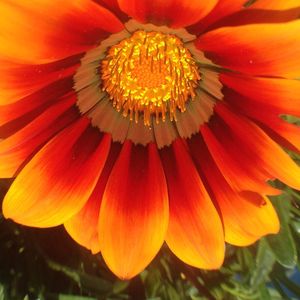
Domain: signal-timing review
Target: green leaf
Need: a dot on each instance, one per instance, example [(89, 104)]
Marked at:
[(2, 292), (264, 264), (172, 292), (282, 244), (291, 119), (246, 260), (120, 286), (152, 281), (296, 225), (264, 293), (74, 297), (84, 281), (249, 3)]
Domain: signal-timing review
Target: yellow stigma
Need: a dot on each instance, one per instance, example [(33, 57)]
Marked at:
[(149, 73)]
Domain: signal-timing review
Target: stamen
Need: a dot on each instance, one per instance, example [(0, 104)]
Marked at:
[(150, 73)]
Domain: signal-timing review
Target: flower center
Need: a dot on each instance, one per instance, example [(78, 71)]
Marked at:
[(149, 73)]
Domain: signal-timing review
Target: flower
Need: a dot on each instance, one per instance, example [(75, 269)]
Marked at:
[(135, 122)]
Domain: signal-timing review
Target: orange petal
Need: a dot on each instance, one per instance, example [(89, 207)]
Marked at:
[(274, 95), (232, 166), (134, 211), (83, 227), (259, 148), (232, 13), (271, 101), (173, 13), (195, 232), (39, 100), (59, 179), (242, 49), (52, 29), (17, 148), (275, 4), (113, 6), (246, 216), (285, 134), (244, 221), (19, 80), (258, 16), (221, 10)]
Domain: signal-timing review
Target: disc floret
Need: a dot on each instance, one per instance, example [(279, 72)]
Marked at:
[(149, 73)]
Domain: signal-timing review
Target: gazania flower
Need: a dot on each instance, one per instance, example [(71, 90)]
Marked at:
[(135, 122)]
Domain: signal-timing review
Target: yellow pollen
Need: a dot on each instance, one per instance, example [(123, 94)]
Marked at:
[(149, 73)]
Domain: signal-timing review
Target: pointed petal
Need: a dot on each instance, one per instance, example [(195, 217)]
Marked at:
[(195, 232), (239, 175), (58, 180), (20, 80), (134, 211), (257, 96), (113, 6), (242, 49), (37, 102), (275, 4), (17, 148), (275, 95), (173, 13), (258, 147), (52, 29), (221, 10), (246, 216), (282, 132), (258, 16), (232, 13), (83, 227)]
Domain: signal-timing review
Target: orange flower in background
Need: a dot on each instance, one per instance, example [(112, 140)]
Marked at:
[(135, 122)]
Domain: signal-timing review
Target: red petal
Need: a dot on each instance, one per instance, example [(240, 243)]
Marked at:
[(83, 227), (273, 95), (134, 211), (52, 29), (113, 6), (195, 232), (275, 4), (257, 148), (173, 13), (232, 13), (16, 149), (57, 182), (258, 16), (19, 80), (36, 102), (239, 175), (242, 49), (285, 134), (221, 10), (246, 216)]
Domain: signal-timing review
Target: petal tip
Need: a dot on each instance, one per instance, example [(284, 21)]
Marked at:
[(123, 271)]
